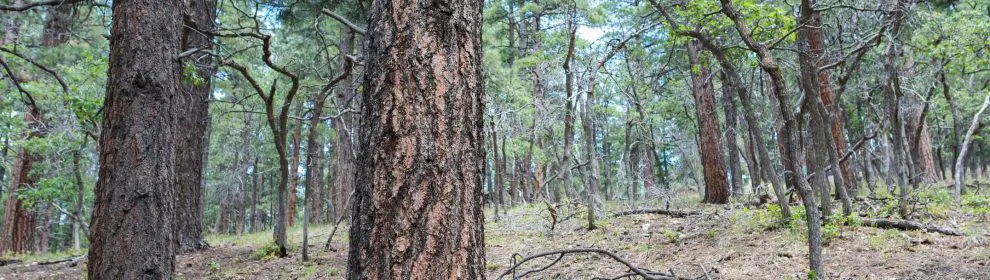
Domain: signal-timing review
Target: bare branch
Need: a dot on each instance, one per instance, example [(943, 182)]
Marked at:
[(344, 21), (28, 6)]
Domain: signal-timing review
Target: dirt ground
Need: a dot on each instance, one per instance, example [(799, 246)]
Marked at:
[(722, 242)]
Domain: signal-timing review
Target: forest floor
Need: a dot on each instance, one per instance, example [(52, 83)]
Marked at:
[(723, 242)]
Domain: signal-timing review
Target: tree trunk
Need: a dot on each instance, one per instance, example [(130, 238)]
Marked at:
[(77, 210), (293, 175), (244, 166), (712, 161), (920, 141), (960, 178), (567, 152), (253, 223), (822, 127), (424, 106), (892, 93), (314, 150), (344, 126), (788, 136), (816, 45), (729, 107), (18, 218), (133, 233), (193, 118)]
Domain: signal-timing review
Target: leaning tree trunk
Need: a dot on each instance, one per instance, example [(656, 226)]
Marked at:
[(423, 137), (132, 230), (191, 141), (965, 148), (712, 161)]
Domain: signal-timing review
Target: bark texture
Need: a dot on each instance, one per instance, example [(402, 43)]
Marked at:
[(191, 141), (18, 219), (418, 209), (710, 148), (132, 231)]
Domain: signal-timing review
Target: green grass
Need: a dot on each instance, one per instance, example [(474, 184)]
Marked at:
[(50, 256)]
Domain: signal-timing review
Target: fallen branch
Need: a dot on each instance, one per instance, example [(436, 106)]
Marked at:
[(50, 262), (909, 225), (336, 225), (634, 271), (78, 260), (672, 213)]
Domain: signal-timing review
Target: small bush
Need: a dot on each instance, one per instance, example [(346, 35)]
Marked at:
[(267, 252)]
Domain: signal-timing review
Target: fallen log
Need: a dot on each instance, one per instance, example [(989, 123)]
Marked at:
[(672, 213), (909, 225)]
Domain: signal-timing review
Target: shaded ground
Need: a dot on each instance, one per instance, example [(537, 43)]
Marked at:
[(724, 242)]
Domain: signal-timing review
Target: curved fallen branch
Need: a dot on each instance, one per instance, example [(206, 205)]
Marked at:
[(909, 225), (672, 213), (633, 270)]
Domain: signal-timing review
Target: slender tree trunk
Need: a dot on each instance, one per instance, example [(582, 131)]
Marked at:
[(712, 161), (244, 166), (822, 125), (80, 196), (729, 107), (344, 125), (293, 175), (133, 234), (788, 136), (960, 177), (567, 152), (253, 222), (436, 229), (892, 93), (314, 150)]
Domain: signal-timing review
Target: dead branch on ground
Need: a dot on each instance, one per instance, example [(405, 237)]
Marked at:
[(909, 225), (633, 270)]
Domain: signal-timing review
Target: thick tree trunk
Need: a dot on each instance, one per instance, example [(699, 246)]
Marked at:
[(712, 161), (424, 106), (18, 218), (132, 230), (193, 119), (920, 141)]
